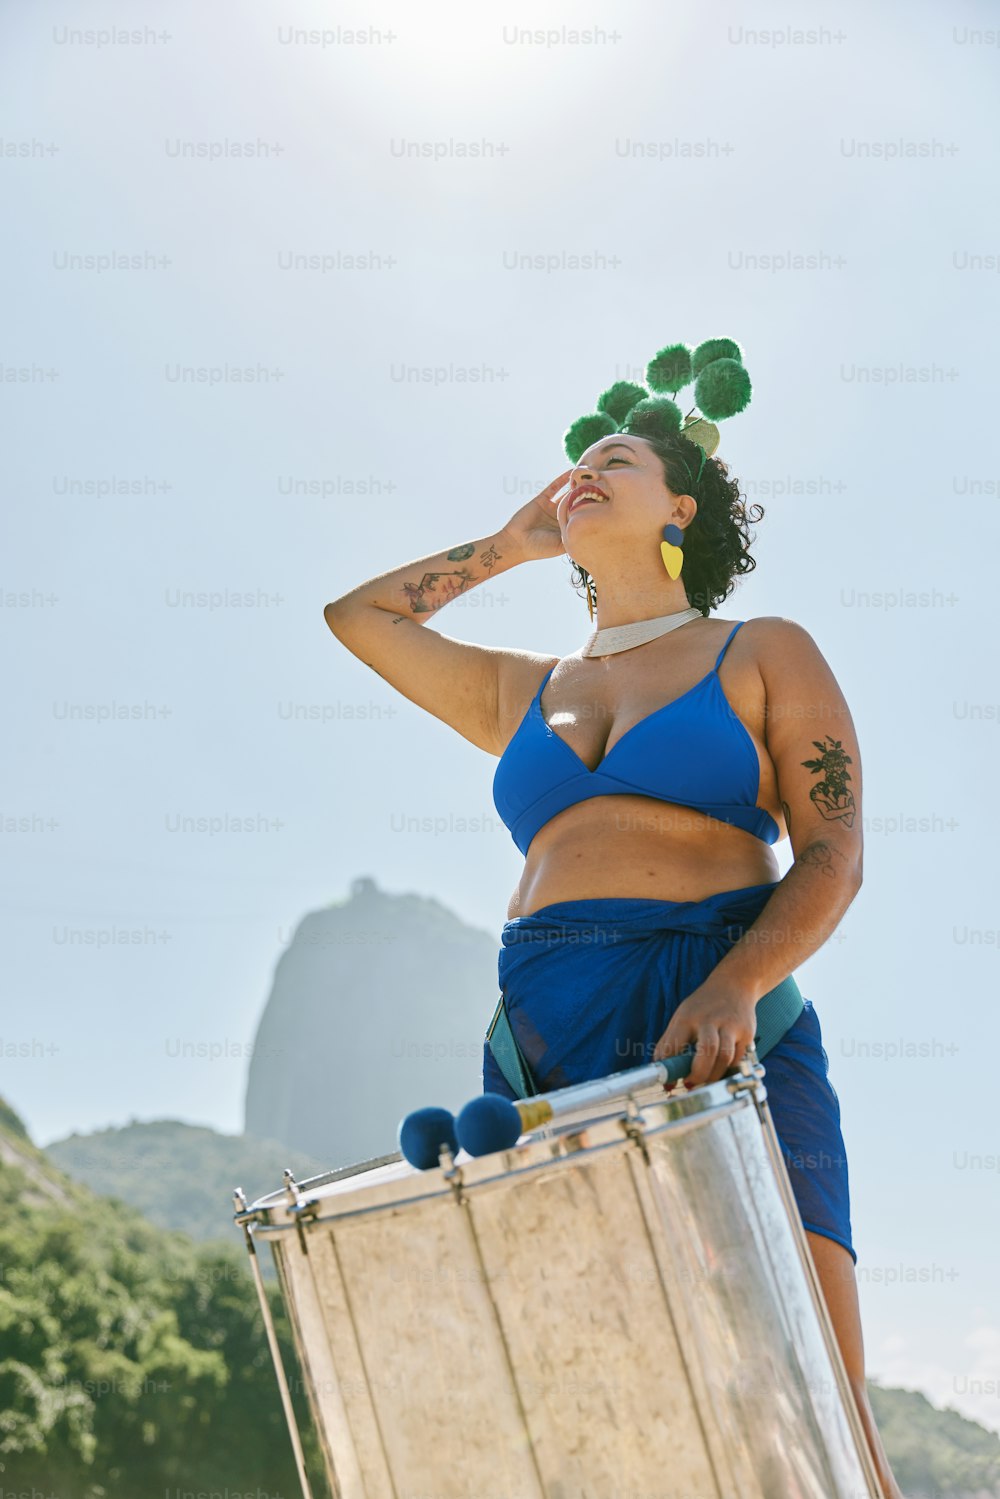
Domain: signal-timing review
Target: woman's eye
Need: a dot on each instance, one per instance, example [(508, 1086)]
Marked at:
[(617, 460)]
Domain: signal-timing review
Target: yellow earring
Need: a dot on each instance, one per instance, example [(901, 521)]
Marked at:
[(670, 551)]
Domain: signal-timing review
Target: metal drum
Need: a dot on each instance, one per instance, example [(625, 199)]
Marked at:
[(621, 1306)]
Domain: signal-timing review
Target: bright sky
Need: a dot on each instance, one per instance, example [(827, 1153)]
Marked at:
[(693, 157)]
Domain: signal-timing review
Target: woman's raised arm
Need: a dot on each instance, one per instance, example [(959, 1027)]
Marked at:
[(456, 681)]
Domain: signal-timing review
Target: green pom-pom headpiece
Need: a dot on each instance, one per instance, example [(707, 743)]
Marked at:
[(670, 369), (617, 401), (714, 348), (722, 389), (586, 430), (656, 416)]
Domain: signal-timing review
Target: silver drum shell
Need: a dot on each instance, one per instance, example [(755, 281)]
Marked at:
[(618, 1307)]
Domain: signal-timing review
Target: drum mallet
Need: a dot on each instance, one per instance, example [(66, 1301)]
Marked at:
[(491, 1122), (422, 1134)]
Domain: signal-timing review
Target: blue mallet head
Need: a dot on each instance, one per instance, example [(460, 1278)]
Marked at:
[(488, 1123), (422, 1133)]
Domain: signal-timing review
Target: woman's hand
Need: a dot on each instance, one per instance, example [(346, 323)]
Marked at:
[(719, 1022), (533, 530)]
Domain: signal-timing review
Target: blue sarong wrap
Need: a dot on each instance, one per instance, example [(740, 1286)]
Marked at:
[(591, 985)]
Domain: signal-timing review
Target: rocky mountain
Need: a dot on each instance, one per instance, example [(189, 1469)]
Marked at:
[(379, 1005)]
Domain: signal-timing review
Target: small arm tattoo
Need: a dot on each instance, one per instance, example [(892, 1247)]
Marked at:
[(489, 558), (821, 856), (426, 596), (459, 554), (831, 795)]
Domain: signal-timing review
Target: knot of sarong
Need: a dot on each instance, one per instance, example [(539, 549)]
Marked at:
[(616, 920)]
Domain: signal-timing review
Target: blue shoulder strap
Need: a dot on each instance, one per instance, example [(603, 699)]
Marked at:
[(718, 659)]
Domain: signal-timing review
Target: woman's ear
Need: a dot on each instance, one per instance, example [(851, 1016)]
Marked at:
[(685, 509)]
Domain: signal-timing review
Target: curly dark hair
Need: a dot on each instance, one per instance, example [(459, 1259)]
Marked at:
[(717, 542)]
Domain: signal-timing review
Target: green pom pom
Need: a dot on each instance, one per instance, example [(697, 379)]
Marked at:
[(656, 416), (722, 389), (617, 401), (585, 430), (712, 349), (670, 369)]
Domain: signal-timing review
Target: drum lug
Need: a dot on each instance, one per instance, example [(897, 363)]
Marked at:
[(301, 1208), (452, 1174), (634, 1126), (750, 1075), (241, 1214)]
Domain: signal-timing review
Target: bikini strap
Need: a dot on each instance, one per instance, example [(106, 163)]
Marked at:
[(718, 659), (544, 683)]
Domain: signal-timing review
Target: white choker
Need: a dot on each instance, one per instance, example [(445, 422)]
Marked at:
[(625, 637)]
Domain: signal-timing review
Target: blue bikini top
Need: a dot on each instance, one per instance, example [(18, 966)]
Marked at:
[(698, 755)]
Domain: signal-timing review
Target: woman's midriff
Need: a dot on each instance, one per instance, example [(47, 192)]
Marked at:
[(636, 846)]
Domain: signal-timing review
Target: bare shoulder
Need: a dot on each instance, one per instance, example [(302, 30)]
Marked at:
[(522, 671), (773, 640), (798, 681), (775, 629)]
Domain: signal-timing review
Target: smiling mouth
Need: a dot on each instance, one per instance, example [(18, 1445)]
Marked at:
[(586, 499)]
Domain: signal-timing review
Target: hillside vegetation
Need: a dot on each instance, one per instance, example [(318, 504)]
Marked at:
[(132, 1361), (178, 1175)]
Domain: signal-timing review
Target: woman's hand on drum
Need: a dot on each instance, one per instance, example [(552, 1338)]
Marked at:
[(534, 530), (718, 1023)]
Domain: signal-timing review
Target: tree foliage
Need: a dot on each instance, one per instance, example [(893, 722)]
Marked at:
[(132, 1360), (935, 1454)]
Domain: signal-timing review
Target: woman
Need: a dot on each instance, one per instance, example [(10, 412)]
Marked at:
[(742, 717)]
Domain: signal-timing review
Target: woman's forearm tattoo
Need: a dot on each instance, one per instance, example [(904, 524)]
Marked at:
[(436, 589), (831, 794)]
